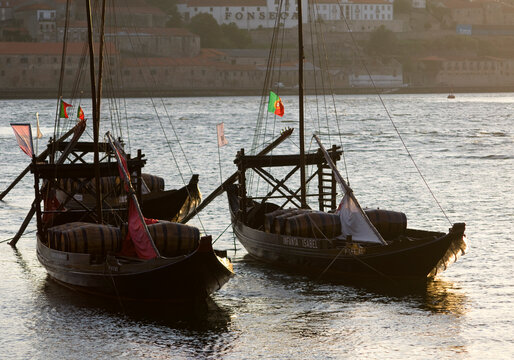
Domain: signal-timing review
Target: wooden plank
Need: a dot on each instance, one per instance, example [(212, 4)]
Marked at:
[(55, 171), (256, 161)]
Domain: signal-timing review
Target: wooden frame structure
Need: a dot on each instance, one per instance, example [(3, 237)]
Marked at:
[(327, 189)]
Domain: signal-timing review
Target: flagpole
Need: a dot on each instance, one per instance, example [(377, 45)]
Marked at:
[(38, 132), (219, 160), (222, 141)]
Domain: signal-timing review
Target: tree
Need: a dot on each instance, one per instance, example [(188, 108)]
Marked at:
[(170, 8), (382, 42), (213, 35), (236, 38), (205, 26)]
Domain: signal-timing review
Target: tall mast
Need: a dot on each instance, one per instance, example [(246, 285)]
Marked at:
[(303, 194), (96, 113)]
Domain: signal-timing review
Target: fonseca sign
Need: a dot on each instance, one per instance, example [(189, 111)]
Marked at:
[(259, 15)]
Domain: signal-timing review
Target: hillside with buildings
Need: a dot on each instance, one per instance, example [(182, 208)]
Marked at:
[(196, 47)]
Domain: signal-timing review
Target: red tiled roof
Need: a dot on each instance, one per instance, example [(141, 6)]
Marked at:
[(33, 48), (206, 58), (152, 31), (136, 10), (373, 2), (215, 3), (35, 7)]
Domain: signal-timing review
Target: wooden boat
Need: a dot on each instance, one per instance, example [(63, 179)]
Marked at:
[(344, 242), (86, 256), (95, 239)]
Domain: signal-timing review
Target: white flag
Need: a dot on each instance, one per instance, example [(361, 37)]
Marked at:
[(222, 140), (39, 133)]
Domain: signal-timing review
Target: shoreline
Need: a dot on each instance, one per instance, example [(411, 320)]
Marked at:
[(20, 94)]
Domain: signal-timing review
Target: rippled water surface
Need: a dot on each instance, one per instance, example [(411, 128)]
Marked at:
[(463, 147)]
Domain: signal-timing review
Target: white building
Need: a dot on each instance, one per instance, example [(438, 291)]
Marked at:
[(419, 4), (252, 14)]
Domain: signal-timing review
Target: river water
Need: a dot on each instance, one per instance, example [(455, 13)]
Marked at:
[(463, 147)]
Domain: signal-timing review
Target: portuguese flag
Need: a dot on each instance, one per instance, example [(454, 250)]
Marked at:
[(63, 113), (80, 113), (275, 104)]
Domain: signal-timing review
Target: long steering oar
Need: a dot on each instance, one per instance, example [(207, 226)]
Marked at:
[(24, 225)]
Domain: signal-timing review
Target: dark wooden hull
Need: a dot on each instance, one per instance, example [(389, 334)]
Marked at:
[(179, 279), (167, 205), (426, 255)]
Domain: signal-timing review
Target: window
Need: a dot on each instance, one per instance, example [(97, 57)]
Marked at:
[(8, 60), (126, 72), (210, 9), (24, 60)]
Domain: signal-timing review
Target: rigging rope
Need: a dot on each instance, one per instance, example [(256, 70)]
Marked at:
[(391, 118)]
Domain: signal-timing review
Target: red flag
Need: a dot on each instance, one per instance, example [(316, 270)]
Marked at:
[(275, 104), (23, 134), (279, 107), (141, 244), (80, 113), (63, 113)]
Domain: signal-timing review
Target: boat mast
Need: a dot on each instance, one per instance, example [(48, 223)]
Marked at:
[(96, 113), (303, 191)]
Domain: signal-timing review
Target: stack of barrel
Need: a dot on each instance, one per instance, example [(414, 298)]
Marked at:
[(110, 184), (321, 225), (303, 223), (83, 237), (171, 239)]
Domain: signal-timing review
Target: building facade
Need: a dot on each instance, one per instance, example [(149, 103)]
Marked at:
[(40, 20), (254, 14)]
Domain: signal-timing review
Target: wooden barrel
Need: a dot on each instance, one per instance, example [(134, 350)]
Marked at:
[(110, 184), (389, 224), (173, 239), (153, 182), (87, 238), (270, 217), (279, 222), (314, 224)]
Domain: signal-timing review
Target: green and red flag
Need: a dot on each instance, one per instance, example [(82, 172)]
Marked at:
[(275, 104), (63, 113), (80, 113)]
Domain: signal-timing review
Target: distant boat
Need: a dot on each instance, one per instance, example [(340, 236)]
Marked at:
[(451, 95)]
